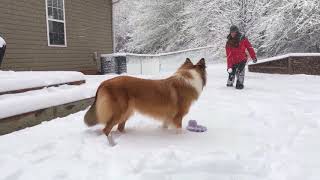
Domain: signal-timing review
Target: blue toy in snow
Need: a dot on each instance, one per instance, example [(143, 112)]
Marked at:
[(194, 127)]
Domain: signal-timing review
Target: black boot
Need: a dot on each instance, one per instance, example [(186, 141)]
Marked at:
[(231, 78), (239, 85)]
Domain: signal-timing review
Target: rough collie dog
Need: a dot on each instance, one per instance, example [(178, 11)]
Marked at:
[(167, 99)]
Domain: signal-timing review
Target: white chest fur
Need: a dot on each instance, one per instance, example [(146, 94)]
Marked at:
[(196, 81)]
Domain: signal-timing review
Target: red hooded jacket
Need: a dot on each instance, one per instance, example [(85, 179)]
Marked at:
[(236, 55)]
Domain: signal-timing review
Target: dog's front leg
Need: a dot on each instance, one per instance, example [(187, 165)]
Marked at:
[(179, 131), (178, 123)]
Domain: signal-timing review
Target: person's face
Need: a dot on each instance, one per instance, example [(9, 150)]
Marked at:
[(233, 34)]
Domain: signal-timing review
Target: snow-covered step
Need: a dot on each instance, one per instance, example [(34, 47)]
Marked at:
[(29, 119), (17, 82), (30, 108)]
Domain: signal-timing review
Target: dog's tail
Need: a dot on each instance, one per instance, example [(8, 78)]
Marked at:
[(90, 118)]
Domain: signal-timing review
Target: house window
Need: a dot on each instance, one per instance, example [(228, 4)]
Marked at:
[(56, 25)]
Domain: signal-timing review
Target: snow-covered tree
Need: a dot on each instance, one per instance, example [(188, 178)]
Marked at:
[(208, 21), (155, 24), (122, 11), (294, 26), (273, 26)]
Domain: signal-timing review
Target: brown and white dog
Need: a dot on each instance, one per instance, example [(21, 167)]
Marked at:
[(167, 99)]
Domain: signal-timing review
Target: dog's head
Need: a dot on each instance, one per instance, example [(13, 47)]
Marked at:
[(188, 68)]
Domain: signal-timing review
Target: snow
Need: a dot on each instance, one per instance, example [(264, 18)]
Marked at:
[(11, 80), (160, 54), (270, 130), (48, 97), (288, 55)]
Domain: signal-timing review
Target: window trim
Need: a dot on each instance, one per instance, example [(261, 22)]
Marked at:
[(56, 20)]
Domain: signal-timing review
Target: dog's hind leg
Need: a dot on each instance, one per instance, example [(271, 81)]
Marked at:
[(107, 129), (123, 119), (121, 126), (117, 118)]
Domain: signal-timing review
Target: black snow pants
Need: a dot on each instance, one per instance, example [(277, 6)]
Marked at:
[(238, 70)]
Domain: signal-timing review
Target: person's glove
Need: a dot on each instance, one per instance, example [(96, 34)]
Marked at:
[(254, 60), (230, 70)]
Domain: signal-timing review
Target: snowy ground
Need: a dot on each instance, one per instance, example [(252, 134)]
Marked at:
[(269, 130)]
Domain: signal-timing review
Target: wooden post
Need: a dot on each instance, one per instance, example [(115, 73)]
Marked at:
[(290, 70)]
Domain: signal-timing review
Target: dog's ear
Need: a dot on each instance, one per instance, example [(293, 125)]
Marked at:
[(188, 61), (201, 63)]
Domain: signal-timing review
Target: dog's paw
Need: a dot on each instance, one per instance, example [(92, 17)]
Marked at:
[(122, 131), (111, 141)]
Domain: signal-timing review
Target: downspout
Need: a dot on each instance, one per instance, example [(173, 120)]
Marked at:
[(113, 26)]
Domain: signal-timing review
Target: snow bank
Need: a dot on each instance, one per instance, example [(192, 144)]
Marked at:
[(163, 54), (11, 80), (268, 131), (288, 55)]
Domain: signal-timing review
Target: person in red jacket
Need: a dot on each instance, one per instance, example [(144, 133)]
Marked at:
[(236, 47)]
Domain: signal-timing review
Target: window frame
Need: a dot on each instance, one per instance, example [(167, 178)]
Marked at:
[(56, 20)]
